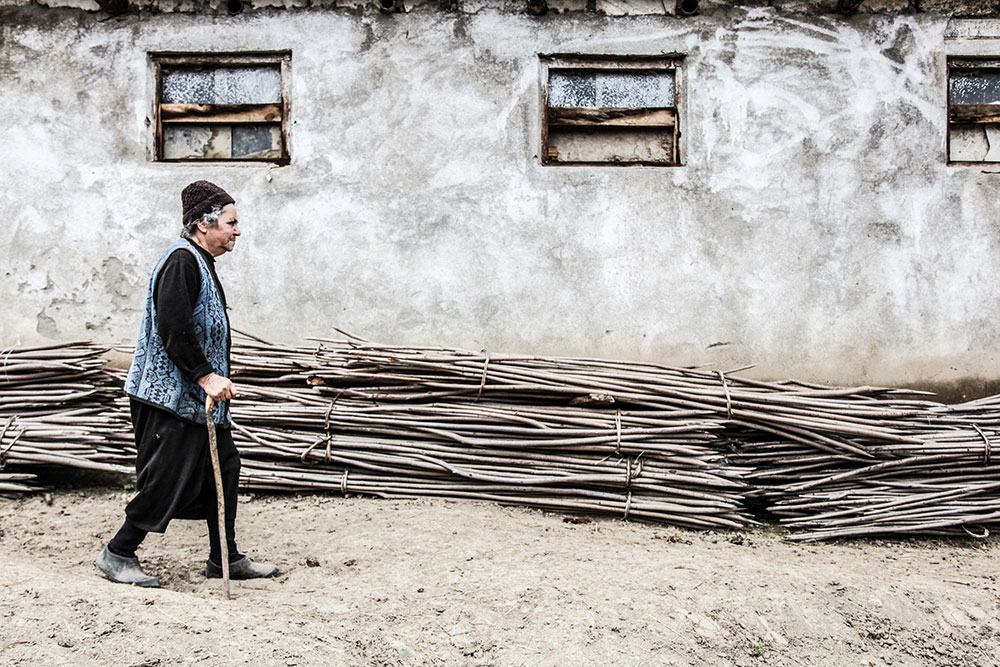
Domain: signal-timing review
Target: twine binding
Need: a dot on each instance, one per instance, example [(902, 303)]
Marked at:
[(482, 382), (618, 432), (987, 447), (629, 476), (982, 536), (729, 400), (326, 438), (3, 432)]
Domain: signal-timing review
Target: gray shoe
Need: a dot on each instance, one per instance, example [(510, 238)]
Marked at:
[(244, 568), (124, 570)]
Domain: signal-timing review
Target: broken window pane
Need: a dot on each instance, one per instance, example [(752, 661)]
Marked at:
[(221, 85), (974, 143), (619, 110), (244, 106), (621, 89), (973, 96), (257, 141), (220, 142), (181, 142)]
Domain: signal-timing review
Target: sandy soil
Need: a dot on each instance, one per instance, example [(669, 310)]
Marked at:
[(428, 582)]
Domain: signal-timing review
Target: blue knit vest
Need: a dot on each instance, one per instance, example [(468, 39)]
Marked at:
[(153, 378)]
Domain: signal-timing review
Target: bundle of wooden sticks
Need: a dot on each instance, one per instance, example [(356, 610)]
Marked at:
[(686, 446), (59, 407), (357, 418)]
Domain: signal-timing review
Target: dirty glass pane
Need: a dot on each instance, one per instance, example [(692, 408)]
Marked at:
[(248, 85), (220, 142), (197, 141), (618, 89), (188, 87), (974, 87), (576, 89), (261, 141), (221, 85)]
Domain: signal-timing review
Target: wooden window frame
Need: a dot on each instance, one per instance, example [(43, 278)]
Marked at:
[(667, 118), (967, 114), (228, 114)]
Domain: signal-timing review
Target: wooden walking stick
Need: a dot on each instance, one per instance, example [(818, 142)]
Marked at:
[(213, 449)]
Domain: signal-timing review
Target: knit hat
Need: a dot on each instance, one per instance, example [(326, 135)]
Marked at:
[(199, 198)]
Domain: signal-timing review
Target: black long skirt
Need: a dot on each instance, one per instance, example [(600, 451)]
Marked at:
[(174, 477)]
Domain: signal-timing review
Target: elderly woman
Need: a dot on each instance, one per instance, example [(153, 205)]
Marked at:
[(181, 356)]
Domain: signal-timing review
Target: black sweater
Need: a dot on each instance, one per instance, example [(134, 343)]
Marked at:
[(175, 294)]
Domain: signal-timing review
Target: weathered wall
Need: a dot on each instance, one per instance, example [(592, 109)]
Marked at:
[(815, 228)]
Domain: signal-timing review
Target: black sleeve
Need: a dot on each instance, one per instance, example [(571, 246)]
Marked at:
[(175, 294)]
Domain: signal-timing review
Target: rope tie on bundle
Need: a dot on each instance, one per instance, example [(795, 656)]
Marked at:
[(326, 438), (311, 447), (629, 476), (3, 432), (326, 427), (987, 447), (729, 400), (6, 360), (618, 432), (343, 483), (981, 536), (482, 382)]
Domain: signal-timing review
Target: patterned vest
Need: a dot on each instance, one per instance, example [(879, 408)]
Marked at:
[(153, 378)]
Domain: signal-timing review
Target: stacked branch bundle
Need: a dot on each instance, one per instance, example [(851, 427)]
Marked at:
[(380, 420), (57, 408), (558, 432), (686, 446), (929, 470)]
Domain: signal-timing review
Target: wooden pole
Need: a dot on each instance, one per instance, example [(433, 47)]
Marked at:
[(213, 449)]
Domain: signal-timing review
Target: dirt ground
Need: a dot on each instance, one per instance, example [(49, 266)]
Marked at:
[(432, 582)]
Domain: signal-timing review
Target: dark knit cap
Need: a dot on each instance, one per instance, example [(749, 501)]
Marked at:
[(199, 198)]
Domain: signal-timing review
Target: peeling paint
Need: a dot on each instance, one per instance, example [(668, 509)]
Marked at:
[(46, 326)]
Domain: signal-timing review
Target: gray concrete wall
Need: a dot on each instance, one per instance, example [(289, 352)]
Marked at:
[(815, 229)]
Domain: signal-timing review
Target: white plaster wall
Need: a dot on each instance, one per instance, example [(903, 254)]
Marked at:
[(815, 229)]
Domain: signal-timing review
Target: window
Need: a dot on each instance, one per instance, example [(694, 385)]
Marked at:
[(222, 107), (973, 110), (618, 110)]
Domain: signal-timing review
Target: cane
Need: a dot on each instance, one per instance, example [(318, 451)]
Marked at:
[(213, 450)]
